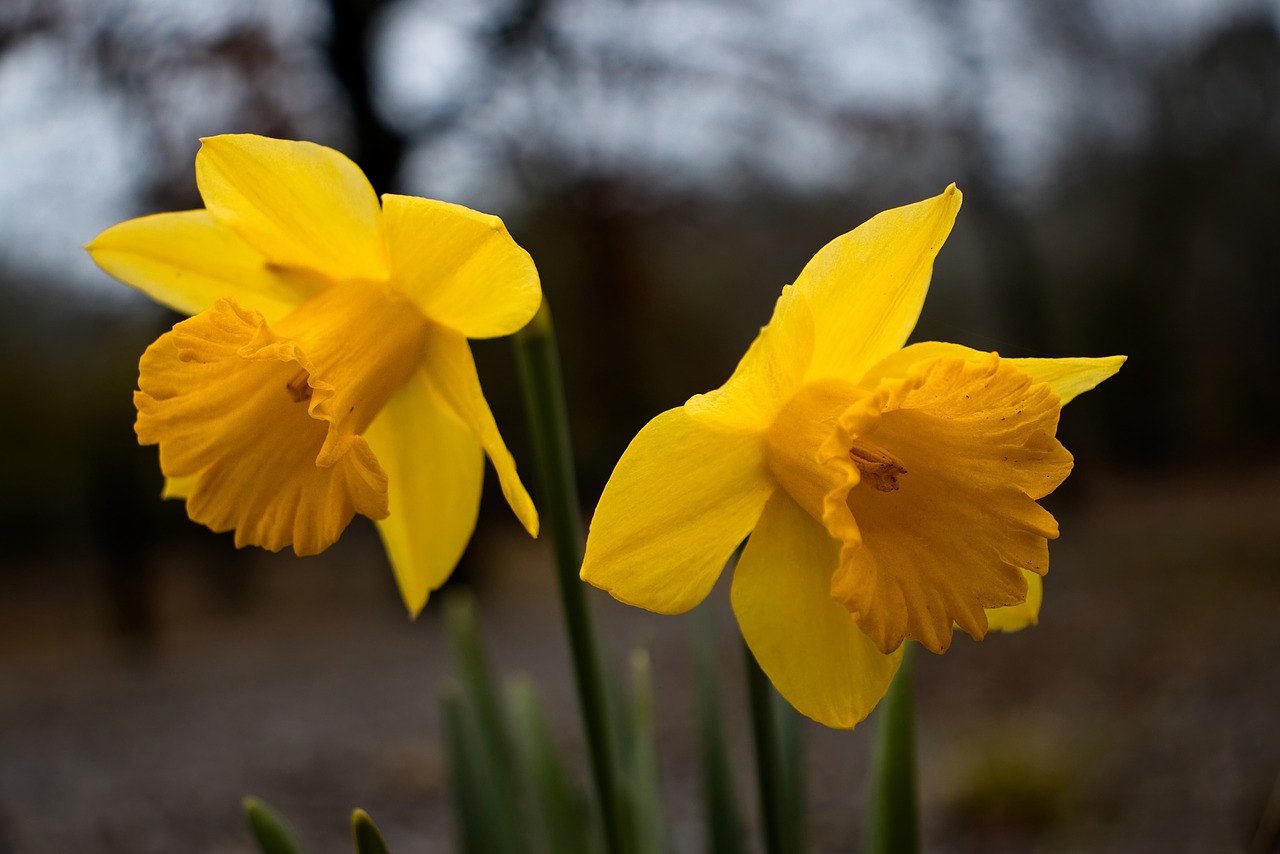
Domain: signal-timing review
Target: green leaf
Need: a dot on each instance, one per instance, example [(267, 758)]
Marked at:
[(272, 833), (646, 797), (367, 838), (477, 676), (559, 805), (483, 731), (485, 808)]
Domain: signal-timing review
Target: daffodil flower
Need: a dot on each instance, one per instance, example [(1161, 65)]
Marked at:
[(325, 369), (890, 492)]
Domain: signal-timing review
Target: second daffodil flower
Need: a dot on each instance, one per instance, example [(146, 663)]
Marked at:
[(325, 370), (890, 492)]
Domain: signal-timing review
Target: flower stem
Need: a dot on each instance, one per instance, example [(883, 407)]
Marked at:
[(764, 732), (724, 834), (894, 826), (548, 420)]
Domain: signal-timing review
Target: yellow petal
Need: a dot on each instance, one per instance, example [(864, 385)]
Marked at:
[(900, 363), (358, 344), (946, 540), (435, 468), (808, 644), (866, 288), (1012, 618), (450, 371), (301, 205), (187, 260), (768, 374), (179, 487), (230, 423), (808, 448), (461, 267), (680, 500), (1068, 377)]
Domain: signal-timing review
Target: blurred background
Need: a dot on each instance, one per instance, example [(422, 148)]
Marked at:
[(669, 164)]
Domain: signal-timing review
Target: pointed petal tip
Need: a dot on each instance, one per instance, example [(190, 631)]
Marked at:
[(223, 138), (517, 497), (952, 198), (216, 140), (1107, 367), (415, 605), (102, 239), (533, 524), (946, 207)]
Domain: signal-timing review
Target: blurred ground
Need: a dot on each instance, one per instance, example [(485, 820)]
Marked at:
[(1141, 715)]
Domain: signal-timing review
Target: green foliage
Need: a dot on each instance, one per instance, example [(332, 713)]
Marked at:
[(561, 812), (483, 798), (512, 792), (894, 826), (542, 388), (640, 784), (272, 833), (791, 791), (724, 828), (365, 833)]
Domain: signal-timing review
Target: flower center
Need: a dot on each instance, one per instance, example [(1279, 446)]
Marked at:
[(280, 469), (299, 387), (877, 466), (354, 345), (963, 530)]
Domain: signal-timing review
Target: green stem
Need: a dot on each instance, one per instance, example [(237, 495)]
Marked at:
[(791, 786), (543, 393), (724, 835), (894, 826), (764, 732)]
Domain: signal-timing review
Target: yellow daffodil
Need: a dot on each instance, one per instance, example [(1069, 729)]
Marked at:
[(890, 492), (325, 370)]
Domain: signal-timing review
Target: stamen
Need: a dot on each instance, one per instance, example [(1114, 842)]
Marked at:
[(879, 468), (299, 387)]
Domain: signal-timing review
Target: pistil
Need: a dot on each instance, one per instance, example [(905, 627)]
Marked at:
[(878, 467), (299, 387)]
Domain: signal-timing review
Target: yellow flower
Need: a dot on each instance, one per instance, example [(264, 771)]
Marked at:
[(326, 370), (889, 493)]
